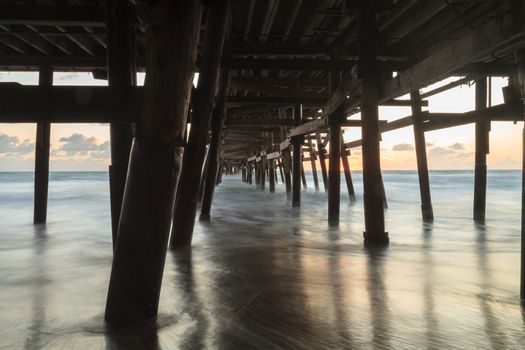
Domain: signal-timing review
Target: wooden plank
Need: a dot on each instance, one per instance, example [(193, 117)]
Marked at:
[(472, 47), (47, 15), (273, 155)]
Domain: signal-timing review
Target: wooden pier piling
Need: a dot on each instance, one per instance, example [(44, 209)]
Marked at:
[(421, 156), (297, 142), (303, 174), (42, 144), (334, 174), (369, 72), (322, 160), (482, 149), (271, 179), (287, 167), (217, 124), (121, 76), (346, 168), (313, 158), (143, 232), (186, 205)]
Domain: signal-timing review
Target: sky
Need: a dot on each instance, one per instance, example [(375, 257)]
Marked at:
[(85, 147)]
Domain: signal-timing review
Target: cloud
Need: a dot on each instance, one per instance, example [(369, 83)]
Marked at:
[(78, 146), (12, 146), (403, 147), (440, 151), (457, 146), (464, 154)]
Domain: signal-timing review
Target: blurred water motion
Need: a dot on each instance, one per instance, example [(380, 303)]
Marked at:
[(262, 275)]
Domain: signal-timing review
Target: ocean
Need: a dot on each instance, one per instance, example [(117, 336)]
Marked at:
[(263, 275)]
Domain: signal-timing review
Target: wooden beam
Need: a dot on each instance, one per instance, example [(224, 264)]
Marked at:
[(43, 134), (284, 101), (474, 46), (259, 122), (48, 15), (67, 104)]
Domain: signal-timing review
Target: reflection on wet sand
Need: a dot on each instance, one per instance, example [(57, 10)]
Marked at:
[(270, 277)]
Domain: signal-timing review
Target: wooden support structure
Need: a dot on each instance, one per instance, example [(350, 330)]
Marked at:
[(156, 154), (262, 167), (43, 134), (334, 173), (346, 169), (271, 178), (368, 70), (287, 168), (313, 165), (280, 166), (303, 173), (186, 204), (217, 124), (482, 149), (421, 156), (322, 160), (121, 77), (297, 142), (334, 169)]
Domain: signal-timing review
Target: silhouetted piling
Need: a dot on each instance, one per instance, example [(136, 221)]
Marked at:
[(147, 209), (42, 144), (322, 160), (421, 156), (313, 158), (482, 149), (121, 77), (369, 71), (271, 179), (346, 168), (217, 123), (297, 142), (209, 68)]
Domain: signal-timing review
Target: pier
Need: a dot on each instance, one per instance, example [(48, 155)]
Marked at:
[(279, 82)]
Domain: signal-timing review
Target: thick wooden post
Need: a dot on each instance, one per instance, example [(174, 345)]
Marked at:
[(303, 174), (334, 174), (43, 134), (287, 165), (249, 174), (204, 174), (421, 155), (217, 124), (257, 173), (262, 164), (346, 169), (482, 149), (186, 205), (334, 169), (280, 165), (297, 142), (313, 158), (369, 72), (522, 268), (121, 76), (322, 162), (147, 209), (271, 179)]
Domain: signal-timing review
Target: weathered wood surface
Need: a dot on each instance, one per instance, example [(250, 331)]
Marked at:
[(138, 263), (186, 203)]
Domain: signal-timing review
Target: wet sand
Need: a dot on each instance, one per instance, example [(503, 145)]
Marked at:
[(262, 275)]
